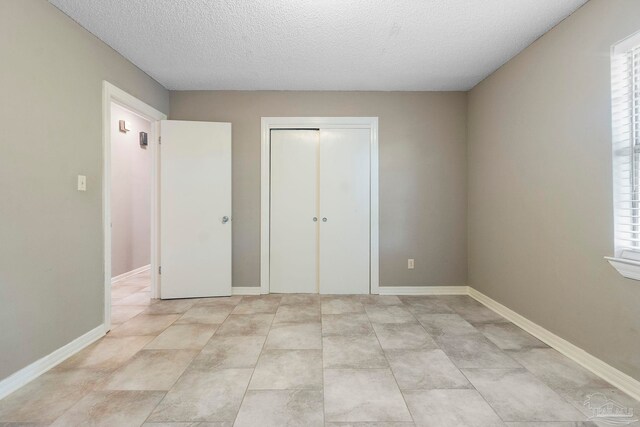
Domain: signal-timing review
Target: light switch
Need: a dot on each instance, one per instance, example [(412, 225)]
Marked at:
[(410, 263), (82, 183)]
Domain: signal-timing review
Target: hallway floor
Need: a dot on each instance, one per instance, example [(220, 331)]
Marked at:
[(309, 360), (130, 297)]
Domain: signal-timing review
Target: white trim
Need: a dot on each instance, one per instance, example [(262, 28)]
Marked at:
[(245, 290), (269, 123), (423, 290), (39, 367), (626, 44), (607, 372), (111, 93), (626, 267), (154, 223), (124, 276)]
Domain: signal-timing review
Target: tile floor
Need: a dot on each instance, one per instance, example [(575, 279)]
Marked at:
[(309, 360)]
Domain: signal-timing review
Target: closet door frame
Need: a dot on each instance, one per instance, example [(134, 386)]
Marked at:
[(269, 123)]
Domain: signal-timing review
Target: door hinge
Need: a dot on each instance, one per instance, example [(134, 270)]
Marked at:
[(159, 270), (159, 140)]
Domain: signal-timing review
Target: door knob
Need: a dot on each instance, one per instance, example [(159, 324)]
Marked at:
[(315, 218), (324, 219), (225, 219)]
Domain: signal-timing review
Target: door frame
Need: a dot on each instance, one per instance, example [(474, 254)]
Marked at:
[(113, 94), (269, 123)]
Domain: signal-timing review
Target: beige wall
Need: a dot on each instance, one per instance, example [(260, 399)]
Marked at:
[(540, 198), (422, 173), (51, 246), (130, 193)]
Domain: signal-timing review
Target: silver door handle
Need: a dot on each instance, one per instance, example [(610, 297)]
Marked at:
[(324, 219), (225, 219), (315, 218)]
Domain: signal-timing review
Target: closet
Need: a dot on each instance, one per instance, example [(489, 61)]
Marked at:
[(320, 197)]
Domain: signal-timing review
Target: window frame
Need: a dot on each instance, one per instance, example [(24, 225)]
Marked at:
[(625, 111)]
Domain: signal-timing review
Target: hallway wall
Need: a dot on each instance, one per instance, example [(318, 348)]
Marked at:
[(51, 271), (130, 194)]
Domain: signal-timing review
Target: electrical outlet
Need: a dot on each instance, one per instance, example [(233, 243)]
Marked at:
[(410, 264)]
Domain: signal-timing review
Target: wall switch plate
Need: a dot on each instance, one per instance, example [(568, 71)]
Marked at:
[(82, 183), (410, 264)]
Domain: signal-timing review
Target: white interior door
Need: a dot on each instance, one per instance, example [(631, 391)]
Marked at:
[(345, 195), (195, 209), (293, 231)]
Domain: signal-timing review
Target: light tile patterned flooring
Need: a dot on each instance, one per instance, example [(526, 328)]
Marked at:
[(309, 360)]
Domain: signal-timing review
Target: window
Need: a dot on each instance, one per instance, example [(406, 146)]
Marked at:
[(625, 106)]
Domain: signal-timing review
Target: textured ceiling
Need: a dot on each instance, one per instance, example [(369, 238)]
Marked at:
[(318, 44)]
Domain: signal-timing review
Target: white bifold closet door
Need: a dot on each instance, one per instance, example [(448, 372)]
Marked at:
[(294, 205), (320, 211), (345, 196)]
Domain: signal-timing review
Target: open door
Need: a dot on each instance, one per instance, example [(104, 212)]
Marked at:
[(195, 209)]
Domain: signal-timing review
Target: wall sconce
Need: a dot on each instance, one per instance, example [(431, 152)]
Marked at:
[(124, 126)]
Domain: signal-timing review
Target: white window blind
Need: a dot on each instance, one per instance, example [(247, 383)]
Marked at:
[(625, 96)]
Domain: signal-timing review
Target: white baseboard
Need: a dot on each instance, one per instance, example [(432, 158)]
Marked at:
[(131, 273), (246, 290), (39, 367), (607, 372), (422, 290)]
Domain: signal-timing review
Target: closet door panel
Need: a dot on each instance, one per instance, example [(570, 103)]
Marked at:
[(344, 242), (293, 233)]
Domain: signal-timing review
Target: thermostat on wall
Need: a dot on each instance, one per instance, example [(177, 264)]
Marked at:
[(143, 140)]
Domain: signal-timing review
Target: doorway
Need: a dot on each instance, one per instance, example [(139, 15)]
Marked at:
[(130, 213), (319, 208)]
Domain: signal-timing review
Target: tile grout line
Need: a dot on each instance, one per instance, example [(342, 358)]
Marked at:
[(190, 363), (97, 390), (387, 359), (324, 409), (253, 371), (429, 335), (465, 376), (115, 326), (456, 366), (481, 395), (94, 390), (404, 303)]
